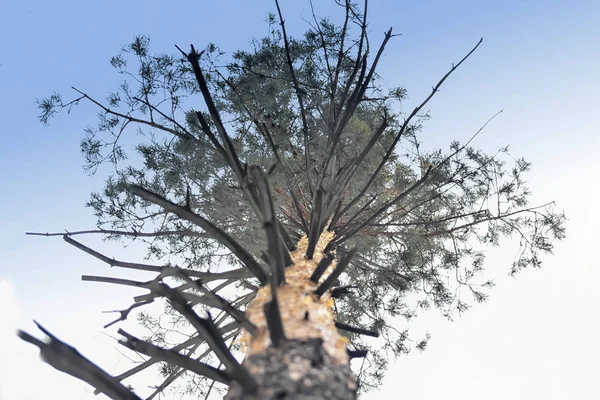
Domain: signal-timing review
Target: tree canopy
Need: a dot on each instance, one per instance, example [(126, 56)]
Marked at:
[(311, 116)]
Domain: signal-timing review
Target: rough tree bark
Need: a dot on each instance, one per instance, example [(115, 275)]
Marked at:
[(312, 363)]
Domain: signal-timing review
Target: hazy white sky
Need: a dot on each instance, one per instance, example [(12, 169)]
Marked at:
[(537, 336)]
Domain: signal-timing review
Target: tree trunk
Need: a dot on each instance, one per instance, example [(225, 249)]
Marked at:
[(312, 362), (297, 370)]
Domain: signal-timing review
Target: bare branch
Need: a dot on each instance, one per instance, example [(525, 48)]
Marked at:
[(230, 153), (274, 320), (195, 341), (224, 305), (207, 329), (68, 360), (133, 233), (340, 267), (321, 267), (225, 239), (231, 276), (324, 47), (360, 331), (361, 60), (315, 223), (179, 371), (129, 118), (165, 270), (173, 358), (350, 231), (298, 93), (264, 129), (276, 247), (338, 64), (125, 313), (481, 220), (404, 127)]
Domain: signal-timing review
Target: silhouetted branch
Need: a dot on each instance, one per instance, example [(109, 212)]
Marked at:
[(111, 261), (360, 331), (293, 194), (315, 223), (195, 342), (338, 292), (321, 267), (179, 371), (274, 321), (348, 231), (190, 285), (340, 267), (476, 214), (170, 119), (360, 63), (356, 96), (298, 91), (317, 27), (366, 264), (224, 305), (207, 329), (276, 247), (357, 353), (164, 271), (125, 313), (118, 281), (340, 55), (173, 358), (355, 216), (402, 130), (129, 118), (134, 233), (345, 177), (486, 219), (264, 130), (444, 161), (68, 360), (221, 236), (229, 150), (147, 285)]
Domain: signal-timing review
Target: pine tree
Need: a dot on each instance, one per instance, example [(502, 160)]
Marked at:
[(300, 171)]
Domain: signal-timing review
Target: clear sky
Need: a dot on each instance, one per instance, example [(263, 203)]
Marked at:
[(540, 62)]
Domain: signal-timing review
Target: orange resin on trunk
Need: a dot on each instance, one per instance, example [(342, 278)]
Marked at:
[(304, 315)]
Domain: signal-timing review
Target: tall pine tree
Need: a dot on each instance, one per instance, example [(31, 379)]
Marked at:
[(301, 183)]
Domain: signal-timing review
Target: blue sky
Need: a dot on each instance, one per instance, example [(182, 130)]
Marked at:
[(539, 63)]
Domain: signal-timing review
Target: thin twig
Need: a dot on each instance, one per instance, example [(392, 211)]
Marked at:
[(133, 119), (133, 233)]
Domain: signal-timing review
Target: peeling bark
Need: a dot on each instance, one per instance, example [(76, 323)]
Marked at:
[(312, 363)]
